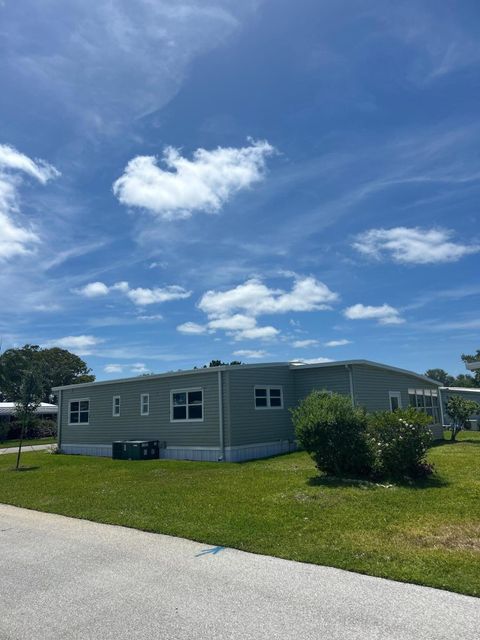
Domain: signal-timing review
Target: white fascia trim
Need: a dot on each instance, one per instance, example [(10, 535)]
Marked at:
[(173, 374), (369, 363), (473, 366), (474, 389)]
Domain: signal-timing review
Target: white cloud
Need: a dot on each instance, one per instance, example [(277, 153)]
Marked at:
[(257, 333), (137, 368), (82, 345), (237, 322), (254, 298), (301, 344), (140, 296), (113, 368), (15, 237), (319, 360), (412, 245), (385, 314), (337, 343), (250, 354), (205, 183), (94, 290), (191, 328)]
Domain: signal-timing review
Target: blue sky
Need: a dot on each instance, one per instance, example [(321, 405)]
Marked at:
[(261, 181)]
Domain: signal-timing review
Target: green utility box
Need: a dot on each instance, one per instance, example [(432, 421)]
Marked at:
[(119, 450), (136, 449)]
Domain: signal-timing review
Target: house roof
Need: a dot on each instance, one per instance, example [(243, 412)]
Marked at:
[(291, 365), (475, 390), (370, 363), (473, 366), (8, 408)]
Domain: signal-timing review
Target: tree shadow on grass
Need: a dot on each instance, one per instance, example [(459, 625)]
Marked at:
[(24, 468), (333, 482)]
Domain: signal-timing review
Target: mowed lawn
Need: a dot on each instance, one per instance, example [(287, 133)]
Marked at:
[(428, 534), (8, 444)]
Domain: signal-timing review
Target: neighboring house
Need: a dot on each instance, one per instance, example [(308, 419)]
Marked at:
[(227, 413), (44, 410), (465, 392)]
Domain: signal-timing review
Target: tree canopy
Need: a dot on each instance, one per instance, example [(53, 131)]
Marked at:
[(466, 380), (55, 366)]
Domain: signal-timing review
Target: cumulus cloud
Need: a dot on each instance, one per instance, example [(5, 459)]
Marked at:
[(337, 343), (254, 298), (236, 310), (191, 328), (413, 245), (301, 344), (16, 238), (138, 368), (140, 296), (185, 186), (250, 354), (384, 314), (82, 345)]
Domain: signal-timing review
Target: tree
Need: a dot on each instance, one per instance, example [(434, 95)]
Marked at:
[(220, 363), (30, 396), (473, 358), (460, 409), (56, 366), (440, 375)]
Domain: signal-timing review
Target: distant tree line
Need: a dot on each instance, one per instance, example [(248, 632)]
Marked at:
[(463, 379)]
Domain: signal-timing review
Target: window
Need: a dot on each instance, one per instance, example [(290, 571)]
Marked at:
[(144, 404), (425, 400), (268, 398), (79, 411), (116, 406), (186, 405), (395, 400)]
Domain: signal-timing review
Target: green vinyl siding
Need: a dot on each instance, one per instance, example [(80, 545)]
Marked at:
[(248, 425), (331, 378), (103, 428), (373, 384)]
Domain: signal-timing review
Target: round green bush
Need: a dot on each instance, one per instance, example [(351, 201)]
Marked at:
[(334, 433)]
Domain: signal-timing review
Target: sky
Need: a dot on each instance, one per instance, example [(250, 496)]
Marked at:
[(257, 181)]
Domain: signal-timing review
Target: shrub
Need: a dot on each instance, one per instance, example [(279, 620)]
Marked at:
[(41, 429), (334, 433), (399, 443)]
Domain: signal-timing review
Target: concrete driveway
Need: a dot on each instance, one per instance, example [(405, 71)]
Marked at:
[(26, 448), (63, 578)]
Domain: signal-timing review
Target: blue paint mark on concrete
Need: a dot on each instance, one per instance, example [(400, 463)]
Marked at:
[(213, 551)]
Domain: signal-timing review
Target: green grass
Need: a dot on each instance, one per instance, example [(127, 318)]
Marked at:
[(7, 444), (427, 533)]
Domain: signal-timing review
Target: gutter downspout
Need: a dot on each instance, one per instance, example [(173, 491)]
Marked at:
[(59, 421), (350, 377), (440, 402), (220, 418)]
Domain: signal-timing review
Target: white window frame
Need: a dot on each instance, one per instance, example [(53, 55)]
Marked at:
[(142, 412), (119, 398), (267, 387), (395, 394), (78, 424), (186, 391)]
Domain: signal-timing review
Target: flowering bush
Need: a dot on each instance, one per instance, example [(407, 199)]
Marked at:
[(399, 443)]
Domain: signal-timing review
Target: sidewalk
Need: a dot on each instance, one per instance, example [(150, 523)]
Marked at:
[(27, 448)]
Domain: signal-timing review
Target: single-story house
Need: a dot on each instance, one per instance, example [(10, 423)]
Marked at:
[(465, 392), (229, 413), (44, 410)]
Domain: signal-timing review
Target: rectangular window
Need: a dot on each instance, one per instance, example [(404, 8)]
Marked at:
[(116, 406), (79, 411), (425, 400), (395, 400), (186, 405), (144, 404), (268, 398)]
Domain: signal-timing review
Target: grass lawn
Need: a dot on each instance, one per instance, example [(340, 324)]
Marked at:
[(428, 534), (14, 443)]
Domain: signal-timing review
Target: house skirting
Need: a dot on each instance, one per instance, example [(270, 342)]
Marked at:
[(200, 454)]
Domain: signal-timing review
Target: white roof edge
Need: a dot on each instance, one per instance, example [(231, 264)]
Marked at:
[(171, 374), (370, 363), (473, 366), (475, 389)]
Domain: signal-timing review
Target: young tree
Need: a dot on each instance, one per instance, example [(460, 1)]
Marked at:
[(30, 396), (460, 409)]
